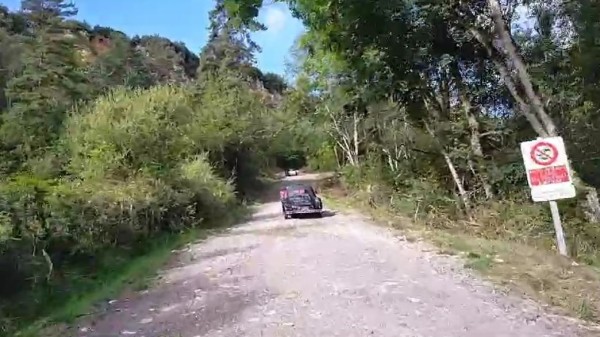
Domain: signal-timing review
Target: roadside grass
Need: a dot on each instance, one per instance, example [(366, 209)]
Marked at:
[(561, 284), (569, 288), (84, 294)]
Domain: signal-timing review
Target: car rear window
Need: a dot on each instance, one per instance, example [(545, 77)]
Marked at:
[(292, 191), (297, 191)]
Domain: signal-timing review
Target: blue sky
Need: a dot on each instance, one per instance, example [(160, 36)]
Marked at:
[(186, 21)]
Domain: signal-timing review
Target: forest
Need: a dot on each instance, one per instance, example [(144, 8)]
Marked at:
[(110, 143)]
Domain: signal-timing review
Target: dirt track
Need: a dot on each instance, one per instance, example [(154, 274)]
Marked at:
[(334, 276)]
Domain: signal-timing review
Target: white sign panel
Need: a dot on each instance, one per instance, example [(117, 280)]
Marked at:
[(547, 167)]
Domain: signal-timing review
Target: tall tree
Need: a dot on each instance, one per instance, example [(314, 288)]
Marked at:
[(229, 46), (50, 81)]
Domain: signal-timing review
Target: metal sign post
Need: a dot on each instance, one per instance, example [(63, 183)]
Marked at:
[(558, 229), (549, 177)]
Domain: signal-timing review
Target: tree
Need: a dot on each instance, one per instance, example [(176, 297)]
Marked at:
[(49, 82), (443, 46)]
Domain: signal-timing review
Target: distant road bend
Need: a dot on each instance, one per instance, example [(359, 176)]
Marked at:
[(334, 276)]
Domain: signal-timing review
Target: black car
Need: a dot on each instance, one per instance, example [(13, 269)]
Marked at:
[(300, 199)]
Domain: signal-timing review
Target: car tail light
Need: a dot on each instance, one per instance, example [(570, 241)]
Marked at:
[(283, 194)]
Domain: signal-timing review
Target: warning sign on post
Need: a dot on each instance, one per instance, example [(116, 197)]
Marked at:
[(547, 167)]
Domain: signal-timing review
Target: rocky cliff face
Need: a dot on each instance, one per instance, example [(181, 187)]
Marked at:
[(171, 61)]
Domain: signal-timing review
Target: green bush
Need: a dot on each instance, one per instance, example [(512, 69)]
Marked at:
[(135, 169), (324, 159), (128, 131), (213, 194), (133, 174), (22, 202)]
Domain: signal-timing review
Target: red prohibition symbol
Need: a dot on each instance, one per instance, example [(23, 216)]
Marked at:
[(544, 153)]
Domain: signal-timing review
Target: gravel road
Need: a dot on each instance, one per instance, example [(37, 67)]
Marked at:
[(334, 276)]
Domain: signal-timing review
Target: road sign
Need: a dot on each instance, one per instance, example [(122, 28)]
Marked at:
[(549, 178), (547, 166), (544, 153)]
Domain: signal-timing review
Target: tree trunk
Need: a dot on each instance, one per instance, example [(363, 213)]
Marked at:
[(392, 160), (348, 144), (524, 107), (464, 197), (337, 156), (475, 137), (345, 146), (593, 205), (356, 142), (49, 263), (541, 122), (522, 73)]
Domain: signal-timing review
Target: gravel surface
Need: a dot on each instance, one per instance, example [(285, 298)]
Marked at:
[(334, 276)]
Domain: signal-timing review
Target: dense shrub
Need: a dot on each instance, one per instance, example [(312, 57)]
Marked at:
[(324, 158), (130, 131), (133, 172)]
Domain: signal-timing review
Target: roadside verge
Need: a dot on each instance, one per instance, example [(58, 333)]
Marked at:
[(121, 273), (561, 285)]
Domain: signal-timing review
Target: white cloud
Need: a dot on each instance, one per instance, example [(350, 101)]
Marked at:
[(276, 41), (275, 19)]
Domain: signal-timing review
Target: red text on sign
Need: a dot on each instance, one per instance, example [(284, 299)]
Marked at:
[(549, 175)]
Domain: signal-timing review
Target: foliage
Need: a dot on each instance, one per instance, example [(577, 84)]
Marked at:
[(424, 104), (109, 141), (111, 144)]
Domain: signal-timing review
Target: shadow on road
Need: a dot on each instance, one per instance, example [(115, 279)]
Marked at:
[(325, 214), (279, 215)]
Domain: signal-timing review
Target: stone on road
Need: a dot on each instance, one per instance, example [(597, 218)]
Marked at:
[(333, 276)]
